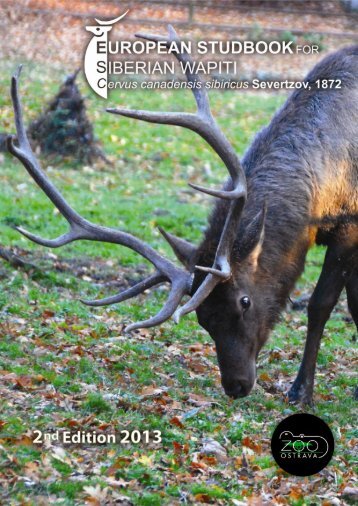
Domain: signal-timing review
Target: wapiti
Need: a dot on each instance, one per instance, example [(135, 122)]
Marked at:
[(296, 185)]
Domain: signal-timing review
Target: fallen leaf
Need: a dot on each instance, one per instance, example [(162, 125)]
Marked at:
[(47, 314), (179, 448), (210, 461), (249, 443), (205, 498), (212, 447), (176, 421), (151, 391), (146, 461), (199, 400), (265, 377), (296, 493), (95, 495), (120, 483), (198, 465), (350, 493)]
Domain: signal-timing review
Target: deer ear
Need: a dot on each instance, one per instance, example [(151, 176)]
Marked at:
[(253, 238), (183, 250)]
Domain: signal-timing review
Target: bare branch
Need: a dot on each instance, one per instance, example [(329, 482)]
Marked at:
[(15, 260)]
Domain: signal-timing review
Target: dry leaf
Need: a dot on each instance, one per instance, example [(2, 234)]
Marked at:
[(350, 493), (212, 447), (249, 443), (152, 391), (146, 461), (95, 495), (176, 421), (205, 498)]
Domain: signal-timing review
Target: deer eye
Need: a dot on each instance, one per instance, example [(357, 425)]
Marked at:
[(245, 302)]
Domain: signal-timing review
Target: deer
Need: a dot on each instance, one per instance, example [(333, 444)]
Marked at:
[(296, 185)]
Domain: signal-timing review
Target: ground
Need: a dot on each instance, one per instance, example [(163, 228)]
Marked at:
[(64, 365)]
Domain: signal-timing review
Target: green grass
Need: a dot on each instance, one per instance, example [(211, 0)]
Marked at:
[(67, 366)]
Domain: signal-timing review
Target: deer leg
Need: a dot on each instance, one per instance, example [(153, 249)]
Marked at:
[(352, 298), (321, 304)]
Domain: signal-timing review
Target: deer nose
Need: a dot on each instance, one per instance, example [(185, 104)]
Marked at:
[(237, 389)]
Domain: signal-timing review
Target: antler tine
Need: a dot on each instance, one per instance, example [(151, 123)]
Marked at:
[(221, 194), (200, 94), (179, 289), (205, 289), (80, 228), (49, 243), (138, 288)]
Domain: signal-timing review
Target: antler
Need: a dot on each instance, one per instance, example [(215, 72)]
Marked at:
[(203, 123), (81, 228)]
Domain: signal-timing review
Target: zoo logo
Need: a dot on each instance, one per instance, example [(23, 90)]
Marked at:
[(302, 454), (97, 52), (303, 446)]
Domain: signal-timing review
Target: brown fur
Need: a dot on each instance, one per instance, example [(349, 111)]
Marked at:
[(304, 166)]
